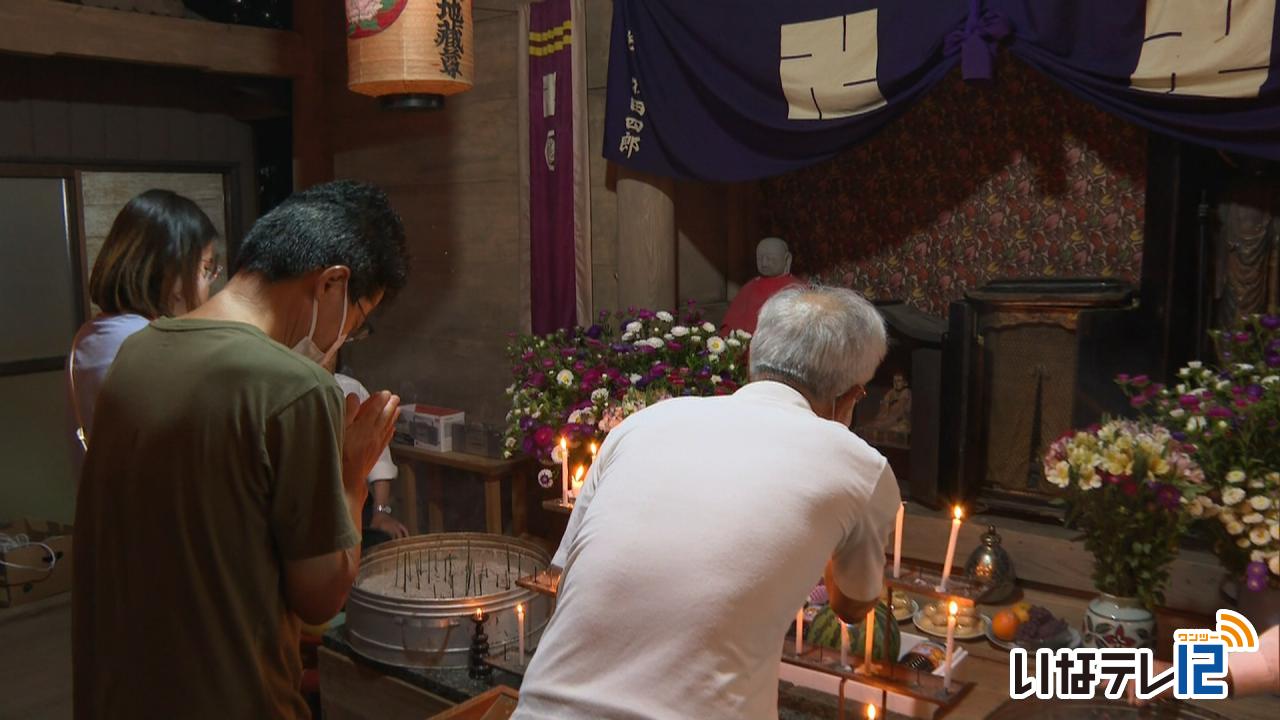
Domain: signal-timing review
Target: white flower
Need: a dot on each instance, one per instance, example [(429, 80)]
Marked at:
[(1257, 484), (557, 454), (1182, 389), (742, 334), (1232, 496), (1224, 385), (1089, 480), (1235, 477), (1243, 543), (1195, 509), (599, 395), (627, 337), (1195, 364), (1205, 374), (1260, 502), (1177, 413), (656, 343), (715, 344), (1273, 478), (511, 442), (1274, 528), (1257, 556), (575, 417), (634, 327), (708, 327), (1235, 527), (1270, 379), (361, 10), (506, 454), (1274, 564), (537, 413), (679, 331), (635, 378), (665, 316), (1222, 425), (734, 342), (1244, 367), (1184, 372), (668, 337), (1060, 475), (1194, 423), (565, 377), (1252, 519), (716, 379)]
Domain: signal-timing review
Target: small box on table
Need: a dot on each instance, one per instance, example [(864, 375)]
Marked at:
[(428, 427), (30, 573)]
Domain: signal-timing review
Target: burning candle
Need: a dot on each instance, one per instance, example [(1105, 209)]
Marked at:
[(799, 630), (564, 470), (520, 630), (844, 644), (479, 615), (951, 645), (951, 545), (577, 481), (870, 627), (593, 452), (871, 712), (897, 541)]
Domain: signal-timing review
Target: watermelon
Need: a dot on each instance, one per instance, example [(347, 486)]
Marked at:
[(825, 630)]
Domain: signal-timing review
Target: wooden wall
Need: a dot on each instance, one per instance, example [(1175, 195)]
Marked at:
[(453, 175)]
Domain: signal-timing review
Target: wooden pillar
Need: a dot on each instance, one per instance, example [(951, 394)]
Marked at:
[(312, 155), (646, 241)]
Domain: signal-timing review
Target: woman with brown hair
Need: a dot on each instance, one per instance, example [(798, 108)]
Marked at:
[(158, 260)]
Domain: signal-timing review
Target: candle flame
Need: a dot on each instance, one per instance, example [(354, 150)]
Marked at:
[(953, 608), (577, 475), (959, 513), (871, 712), (479, 614), (564, 443), (520, 609), (593, 449)]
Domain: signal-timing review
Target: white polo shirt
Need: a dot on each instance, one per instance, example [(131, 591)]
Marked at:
[(700, 531)]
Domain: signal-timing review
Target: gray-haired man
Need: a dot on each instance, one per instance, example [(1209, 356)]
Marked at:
[(705, 521)]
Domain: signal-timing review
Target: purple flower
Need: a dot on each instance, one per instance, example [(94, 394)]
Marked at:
[(528, 445), (642, 383), (1189, 401), (1220, 413), (1273, 361), (1270, 322), (620, 348), (594, 332), (526, 423), (645, 315), (1178, 435), (1168, 496), (528, 356), (674, 346), (1257, 568), (537, 380), (1138, 400), (1274, 346), (1140, 381), (567, 352), (544, 436), (548, 363), (1243, 337), (1255, 391), (1255, 584), (579, 366)]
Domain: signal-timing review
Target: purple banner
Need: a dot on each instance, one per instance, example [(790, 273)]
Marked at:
[(551, 165)]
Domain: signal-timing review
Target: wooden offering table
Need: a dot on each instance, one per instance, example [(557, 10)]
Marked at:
[(489, 470)]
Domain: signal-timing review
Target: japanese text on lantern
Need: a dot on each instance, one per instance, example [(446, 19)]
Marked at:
[(828, 67), (634, 121), (1212, 49), (449, 37)]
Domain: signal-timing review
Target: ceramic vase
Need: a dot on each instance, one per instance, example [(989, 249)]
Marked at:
[(1120, 622)]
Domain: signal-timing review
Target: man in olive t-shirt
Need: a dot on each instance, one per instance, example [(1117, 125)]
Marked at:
[(220, 500)]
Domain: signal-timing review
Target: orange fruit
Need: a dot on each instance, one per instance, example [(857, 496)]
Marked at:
[(1023, 611), (1005, 625)]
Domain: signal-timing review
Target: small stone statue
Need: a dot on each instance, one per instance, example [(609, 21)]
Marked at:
[(895, 408), (773, 260)]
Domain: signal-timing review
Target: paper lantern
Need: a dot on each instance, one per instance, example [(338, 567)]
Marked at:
[(409, 53)]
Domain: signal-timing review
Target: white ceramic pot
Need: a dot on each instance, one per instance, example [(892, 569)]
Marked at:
[(1120, 622)]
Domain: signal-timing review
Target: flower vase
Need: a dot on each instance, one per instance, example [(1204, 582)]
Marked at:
[(1120, 622), (1262, 607)]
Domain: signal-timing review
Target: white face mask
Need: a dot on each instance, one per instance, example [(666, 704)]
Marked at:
[(307, 347)]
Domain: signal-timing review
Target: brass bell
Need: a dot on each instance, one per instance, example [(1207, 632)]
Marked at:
[(989, 563)]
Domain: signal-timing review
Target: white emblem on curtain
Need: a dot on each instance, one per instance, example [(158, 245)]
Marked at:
[(1212, 48), (548, 95), (828, 67)]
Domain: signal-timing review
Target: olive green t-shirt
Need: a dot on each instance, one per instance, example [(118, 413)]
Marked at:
[(215, 459)]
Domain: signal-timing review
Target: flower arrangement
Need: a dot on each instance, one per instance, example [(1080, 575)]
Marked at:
[(1125, 487), (580, 383), (1229, 417)]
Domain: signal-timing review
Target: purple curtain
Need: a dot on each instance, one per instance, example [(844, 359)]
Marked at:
[(552, 251), (739, 89)]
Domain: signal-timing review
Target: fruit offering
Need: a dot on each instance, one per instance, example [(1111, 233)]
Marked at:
[(1042, 629), (901, 605), (825, 630), (1005, 624)]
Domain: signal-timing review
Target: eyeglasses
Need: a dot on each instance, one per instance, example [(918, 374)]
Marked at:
[(211, 271), (364, 330)]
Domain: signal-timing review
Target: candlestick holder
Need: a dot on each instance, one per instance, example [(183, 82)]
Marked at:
[(477, 667), (555, 505)]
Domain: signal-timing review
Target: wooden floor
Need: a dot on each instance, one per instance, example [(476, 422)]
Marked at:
[(35, 660)]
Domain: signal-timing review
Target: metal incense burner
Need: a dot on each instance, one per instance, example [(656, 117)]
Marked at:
[(414, 599), (990, 563)]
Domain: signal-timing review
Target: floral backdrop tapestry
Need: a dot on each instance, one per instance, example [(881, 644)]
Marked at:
[(974, 183)]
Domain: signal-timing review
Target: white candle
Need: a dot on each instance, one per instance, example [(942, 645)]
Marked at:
[(897, 541), (593, 451), (951, 645), (871, 712), (800, 630), (577, 481), (951, 546), (564, 470), (870, 627), (520, 630), (844, 644)]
